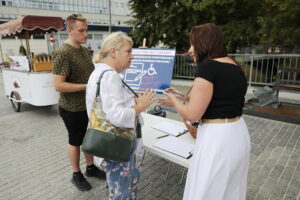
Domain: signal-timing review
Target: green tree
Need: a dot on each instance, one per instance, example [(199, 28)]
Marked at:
[(279, 22), (162, 21), (236, 17), (169, 21)]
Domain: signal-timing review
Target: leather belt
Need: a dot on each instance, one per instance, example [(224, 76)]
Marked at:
[(219, 121)]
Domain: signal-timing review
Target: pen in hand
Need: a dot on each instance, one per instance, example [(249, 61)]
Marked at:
[(175, 92), (183, 132), (178, 93), (170, 90)]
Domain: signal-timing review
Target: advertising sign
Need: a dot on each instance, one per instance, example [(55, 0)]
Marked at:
[(150, 69), (19, 63)]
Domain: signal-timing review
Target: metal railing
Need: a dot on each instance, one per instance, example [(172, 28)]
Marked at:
[(184, 67), (260, 69)]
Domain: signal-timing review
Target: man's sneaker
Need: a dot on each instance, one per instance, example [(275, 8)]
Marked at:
[(80, 182), (93, 171)]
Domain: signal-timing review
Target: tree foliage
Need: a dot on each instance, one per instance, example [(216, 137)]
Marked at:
[(162, 21), (236, 17), (279, 22), (244, 22)]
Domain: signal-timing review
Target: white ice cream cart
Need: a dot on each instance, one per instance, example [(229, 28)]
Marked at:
[(29, 78)]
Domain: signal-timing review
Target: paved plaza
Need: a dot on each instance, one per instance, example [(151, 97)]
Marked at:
[(34, 163)]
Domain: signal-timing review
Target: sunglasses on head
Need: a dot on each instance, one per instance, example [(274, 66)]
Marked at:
[(76, 15)]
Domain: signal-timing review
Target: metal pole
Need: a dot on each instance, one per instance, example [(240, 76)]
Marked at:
[(1, 52), (251, 68), (28, 50), (109, 12)]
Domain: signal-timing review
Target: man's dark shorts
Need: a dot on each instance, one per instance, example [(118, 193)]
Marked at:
[(76, 124)]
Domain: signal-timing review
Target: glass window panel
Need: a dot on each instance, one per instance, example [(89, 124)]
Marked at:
[(63, 36), (40, 37), (98, 36)]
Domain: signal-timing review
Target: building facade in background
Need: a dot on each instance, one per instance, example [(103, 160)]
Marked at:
[(100, 18)]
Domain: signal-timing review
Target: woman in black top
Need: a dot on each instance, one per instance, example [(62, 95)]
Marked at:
[(220, 162)]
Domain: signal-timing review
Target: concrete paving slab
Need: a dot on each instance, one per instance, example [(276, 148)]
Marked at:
[(34, 163)]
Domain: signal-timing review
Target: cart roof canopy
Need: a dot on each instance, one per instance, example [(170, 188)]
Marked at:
[(32, 24)]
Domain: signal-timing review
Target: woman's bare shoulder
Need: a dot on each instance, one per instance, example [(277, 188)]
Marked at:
[(225, 60)]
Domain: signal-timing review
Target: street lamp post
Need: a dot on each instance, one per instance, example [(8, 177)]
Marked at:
[(109, 12)]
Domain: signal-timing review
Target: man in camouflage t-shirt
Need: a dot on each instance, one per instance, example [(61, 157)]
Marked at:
[(72, 66)]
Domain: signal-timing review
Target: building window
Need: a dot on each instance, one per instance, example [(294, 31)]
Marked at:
[(98, 36), (63, 36), (39, 37), (50, 5), (91, 6), (6, 3)]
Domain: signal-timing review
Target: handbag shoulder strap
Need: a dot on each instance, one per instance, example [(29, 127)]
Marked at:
[(135, 94), (98, 82)]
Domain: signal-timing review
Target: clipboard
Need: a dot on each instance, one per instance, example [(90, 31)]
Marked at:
[(170, 128), (175, 146)]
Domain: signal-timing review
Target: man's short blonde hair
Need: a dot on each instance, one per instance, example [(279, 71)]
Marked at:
[(73, 18), (114, 40)]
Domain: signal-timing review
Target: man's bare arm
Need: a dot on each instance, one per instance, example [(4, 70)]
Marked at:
[(61, 85)]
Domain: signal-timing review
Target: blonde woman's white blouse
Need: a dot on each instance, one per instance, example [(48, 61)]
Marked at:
[(117, 100)]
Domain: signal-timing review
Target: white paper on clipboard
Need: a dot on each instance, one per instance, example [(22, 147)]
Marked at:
[(170, 128), (175, 146)]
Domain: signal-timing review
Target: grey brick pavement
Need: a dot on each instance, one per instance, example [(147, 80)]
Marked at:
[(34, 164)]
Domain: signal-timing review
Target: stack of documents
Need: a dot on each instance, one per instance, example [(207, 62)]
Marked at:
[(170, 128), (175, 146)]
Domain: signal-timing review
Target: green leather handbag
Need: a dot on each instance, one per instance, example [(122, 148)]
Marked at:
[(102, 138)]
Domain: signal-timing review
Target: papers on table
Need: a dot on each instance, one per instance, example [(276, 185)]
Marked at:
[(176, 146), (170, 128)]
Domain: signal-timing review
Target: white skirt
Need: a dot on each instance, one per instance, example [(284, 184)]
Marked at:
[(219, 166)]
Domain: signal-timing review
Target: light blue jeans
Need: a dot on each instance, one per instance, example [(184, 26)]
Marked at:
[(122, 178)]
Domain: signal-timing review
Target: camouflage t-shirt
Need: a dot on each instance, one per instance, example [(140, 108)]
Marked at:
[(77, 65)]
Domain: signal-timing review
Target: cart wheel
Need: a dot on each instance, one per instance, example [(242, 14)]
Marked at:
[(16, 105)]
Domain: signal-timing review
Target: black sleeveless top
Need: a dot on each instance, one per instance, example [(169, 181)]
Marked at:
[(229, 88)]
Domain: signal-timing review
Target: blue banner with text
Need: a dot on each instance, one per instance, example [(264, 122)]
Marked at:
[(150, 69)]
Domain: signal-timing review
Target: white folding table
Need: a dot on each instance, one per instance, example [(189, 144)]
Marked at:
[(150, 136)]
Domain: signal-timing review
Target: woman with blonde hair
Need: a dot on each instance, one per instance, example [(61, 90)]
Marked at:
[(120, 106), (220, 162)]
